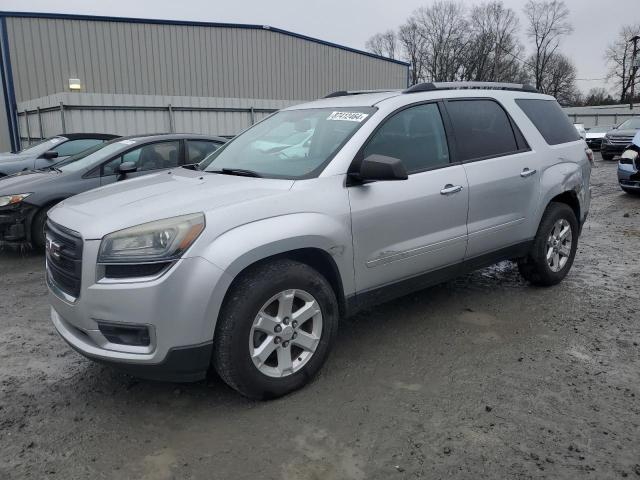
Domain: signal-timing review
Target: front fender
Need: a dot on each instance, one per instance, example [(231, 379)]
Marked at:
[(240, 247)]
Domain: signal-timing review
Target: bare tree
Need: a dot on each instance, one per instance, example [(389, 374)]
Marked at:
[(618, 57), (598, 96), (493, 52), (547, 23), (445, 33), (412, 44), (384, 44), (559, 79)]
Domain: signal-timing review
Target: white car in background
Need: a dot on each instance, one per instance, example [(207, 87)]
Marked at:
[(581, 130), (596, 134)]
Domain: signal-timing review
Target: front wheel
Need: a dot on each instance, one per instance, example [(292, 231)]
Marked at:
[(275, 329), (38, 235), (607, 156), (631, 191), (554, 247)]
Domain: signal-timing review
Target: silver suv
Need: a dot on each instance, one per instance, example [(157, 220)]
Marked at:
[(247, 263)]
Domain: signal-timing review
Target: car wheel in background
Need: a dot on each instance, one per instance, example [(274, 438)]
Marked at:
[(275, 329), (554, 247), (607, 156), (38, 236)]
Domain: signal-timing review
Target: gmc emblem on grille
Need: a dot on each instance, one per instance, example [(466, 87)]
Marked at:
[(54, 249)]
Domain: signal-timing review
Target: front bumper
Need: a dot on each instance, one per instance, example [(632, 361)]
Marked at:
[(629, 176), (15, 222), (612, 149), (178, 309), (594, 143)]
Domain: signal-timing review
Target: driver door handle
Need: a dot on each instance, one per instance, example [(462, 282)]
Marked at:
[(449, 189), (527, 173)]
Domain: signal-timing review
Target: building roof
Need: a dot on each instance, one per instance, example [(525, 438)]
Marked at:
[(64, 16)]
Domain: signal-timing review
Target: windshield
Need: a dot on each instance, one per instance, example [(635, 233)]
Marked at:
[(290, 144), (43, 146), (90, 157), (631, 124)]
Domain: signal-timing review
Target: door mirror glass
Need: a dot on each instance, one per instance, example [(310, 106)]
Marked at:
[(380, 167), (50, 154), (126, 168)]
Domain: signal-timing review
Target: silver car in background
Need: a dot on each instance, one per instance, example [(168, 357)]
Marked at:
[(247, 264)]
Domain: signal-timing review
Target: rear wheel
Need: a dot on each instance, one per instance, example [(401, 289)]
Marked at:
[(554, 247), (607, 156), (275, 329)]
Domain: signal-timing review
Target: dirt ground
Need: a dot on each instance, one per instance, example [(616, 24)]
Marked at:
[(482, 377)]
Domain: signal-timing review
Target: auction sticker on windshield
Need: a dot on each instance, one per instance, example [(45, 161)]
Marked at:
[(348, 116), (127, 142)]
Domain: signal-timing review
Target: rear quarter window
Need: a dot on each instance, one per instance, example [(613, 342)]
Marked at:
[(552, 123)]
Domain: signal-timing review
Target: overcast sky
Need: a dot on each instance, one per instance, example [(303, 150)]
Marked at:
[(351, 23)]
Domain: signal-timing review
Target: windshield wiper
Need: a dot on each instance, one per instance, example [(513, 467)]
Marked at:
[(241, 172)]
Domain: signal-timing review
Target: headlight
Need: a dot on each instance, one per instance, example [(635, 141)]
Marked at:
[(157, 241), (12, 199)]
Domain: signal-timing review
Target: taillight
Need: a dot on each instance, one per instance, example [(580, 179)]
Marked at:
[(589, 153)]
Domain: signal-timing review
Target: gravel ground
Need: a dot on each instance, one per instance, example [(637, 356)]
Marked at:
[(481, 377)]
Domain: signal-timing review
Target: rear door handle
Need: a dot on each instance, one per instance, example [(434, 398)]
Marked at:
[(449, 189), (527, 173)]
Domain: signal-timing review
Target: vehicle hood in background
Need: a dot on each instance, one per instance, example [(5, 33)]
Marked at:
[(27, 182), (157, 196)]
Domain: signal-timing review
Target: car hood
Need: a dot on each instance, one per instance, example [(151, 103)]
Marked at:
[(623, 133), (28, 181), (8, 156), (157, 196), (14, 162)]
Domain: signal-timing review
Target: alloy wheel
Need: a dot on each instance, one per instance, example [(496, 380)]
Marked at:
[(285, 334), (559, 245)]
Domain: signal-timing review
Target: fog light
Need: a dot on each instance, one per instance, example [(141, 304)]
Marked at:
[(134, 335)]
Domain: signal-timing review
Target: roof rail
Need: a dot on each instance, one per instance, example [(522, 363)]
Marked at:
[(344, 93), (427, 87)]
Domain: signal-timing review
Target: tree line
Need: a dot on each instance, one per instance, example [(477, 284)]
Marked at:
[(447, 41)]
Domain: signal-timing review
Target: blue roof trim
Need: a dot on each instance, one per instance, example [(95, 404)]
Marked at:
[(66, 16)]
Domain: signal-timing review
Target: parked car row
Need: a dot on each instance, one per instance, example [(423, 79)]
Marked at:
[(245, 260), (27, 195)]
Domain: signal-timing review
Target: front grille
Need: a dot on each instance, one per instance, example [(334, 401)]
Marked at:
[(620, 139), (64, 258)]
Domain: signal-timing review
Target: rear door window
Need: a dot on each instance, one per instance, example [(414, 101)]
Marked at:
[(198, 150), (482, 129), (552, 123)]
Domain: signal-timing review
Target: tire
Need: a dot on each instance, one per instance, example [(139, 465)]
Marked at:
[(535, 267), (38, 237), (607, 156), (630, 191), (237, 333)]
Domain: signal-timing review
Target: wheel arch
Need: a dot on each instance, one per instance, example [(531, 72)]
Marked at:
[(316, 258), (329, 250)]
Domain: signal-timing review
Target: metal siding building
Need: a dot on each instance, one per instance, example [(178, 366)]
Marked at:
[(203, 70)]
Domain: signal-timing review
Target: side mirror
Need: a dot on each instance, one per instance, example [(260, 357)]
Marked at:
[(50, 154), (126, 168), (380, 167)]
